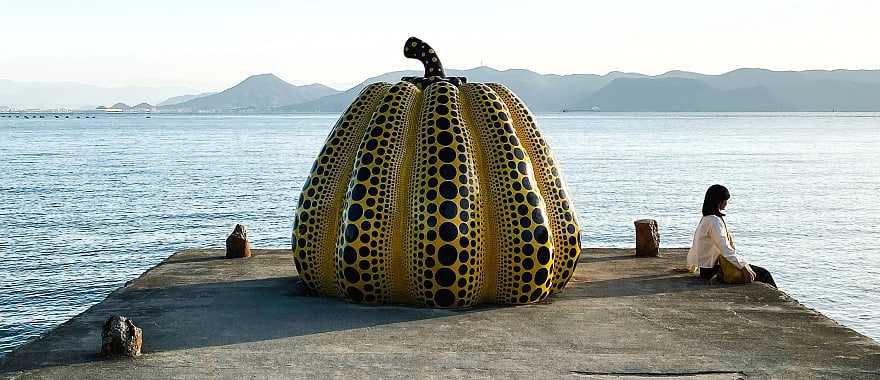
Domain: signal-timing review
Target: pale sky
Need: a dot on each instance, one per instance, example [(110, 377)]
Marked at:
[(211, 45)]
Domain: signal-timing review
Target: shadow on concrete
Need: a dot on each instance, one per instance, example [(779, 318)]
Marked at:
[(636, 286), (211, 314)]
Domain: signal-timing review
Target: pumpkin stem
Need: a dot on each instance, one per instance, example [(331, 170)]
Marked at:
[(418, 49)]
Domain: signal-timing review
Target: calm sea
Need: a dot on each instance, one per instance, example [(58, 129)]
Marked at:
[(91, 203)]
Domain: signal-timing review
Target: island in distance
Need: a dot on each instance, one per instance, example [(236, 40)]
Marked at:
[(741, 90)]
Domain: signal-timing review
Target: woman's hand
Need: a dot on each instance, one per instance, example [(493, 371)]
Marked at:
[(748, 273)]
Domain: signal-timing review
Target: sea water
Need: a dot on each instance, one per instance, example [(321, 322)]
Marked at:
[(91, 203)]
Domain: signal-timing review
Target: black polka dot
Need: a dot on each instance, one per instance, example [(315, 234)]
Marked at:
[(532, 198), (535, 295), (354, 212), (445, 277), (349, 255), (351, 275), (446, 154), (444, 138), (447, 171), (448, 209), (448, 232), (351, 233), (358, 192), (543, 255), (363, 174), (444, 298), (541, 234), (537, 216), (447, 255), (448, 190), (541, 276)]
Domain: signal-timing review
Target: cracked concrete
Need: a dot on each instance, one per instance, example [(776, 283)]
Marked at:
[(622, 317)]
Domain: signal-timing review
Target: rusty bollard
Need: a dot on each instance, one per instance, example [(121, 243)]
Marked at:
[(647, 238), (237, 245), (120, 337)]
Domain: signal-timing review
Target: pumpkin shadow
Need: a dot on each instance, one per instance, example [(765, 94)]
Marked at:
[(211, 314)]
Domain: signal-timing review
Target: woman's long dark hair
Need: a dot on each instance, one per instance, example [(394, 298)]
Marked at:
[(714, 196)]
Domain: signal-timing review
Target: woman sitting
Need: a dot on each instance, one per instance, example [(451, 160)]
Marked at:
[(713, 250)]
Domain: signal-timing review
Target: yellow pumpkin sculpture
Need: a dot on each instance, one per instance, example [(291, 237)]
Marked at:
[(435, 192)]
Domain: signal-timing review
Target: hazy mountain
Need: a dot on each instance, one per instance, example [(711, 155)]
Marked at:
[(542, 92), (257, 92), (812, 90), (182, 98), (143, 107), (738, 90), (679, 95), (77, 95)]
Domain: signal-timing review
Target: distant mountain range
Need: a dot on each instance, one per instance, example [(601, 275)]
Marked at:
[(122, 107), (256, 93), (738, 90), (182, 98)]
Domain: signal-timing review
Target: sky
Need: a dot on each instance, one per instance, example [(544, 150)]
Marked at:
[(211, 45)]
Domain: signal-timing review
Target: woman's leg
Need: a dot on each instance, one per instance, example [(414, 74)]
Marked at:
[(707, 273), (763, 275)]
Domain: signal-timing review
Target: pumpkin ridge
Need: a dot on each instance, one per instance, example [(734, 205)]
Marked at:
[(445, 246), (490, 237), (401, 276), (445, 235), (317, 217), (364, 254), (563, 221), (525, 253)]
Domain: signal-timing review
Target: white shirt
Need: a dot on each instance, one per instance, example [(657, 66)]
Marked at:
[(710, 241)]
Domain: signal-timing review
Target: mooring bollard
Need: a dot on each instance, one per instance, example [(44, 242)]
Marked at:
[(647, 238), (120, 337), (237, 245)]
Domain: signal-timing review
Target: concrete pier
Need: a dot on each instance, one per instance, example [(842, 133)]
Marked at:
[(621, 317)]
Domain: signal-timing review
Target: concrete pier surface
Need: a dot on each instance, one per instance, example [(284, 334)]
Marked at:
[(204, 316)]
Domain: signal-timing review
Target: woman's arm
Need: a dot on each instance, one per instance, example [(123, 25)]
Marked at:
[(718, 231)]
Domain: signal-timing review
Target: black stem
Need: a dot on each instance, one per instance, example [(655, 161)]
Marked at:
[(418, 49)]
